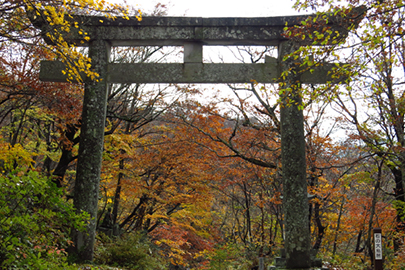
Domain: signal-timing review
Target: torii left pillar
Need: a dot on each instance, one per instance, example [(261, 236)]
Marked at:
[(91, 148)]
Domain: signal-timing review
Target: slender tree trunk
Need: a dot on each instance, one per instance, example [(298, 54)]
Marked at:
[(47, 138), (358, 242), (262, 233), (121, 166), (117, 195), (135, 212), (338, 227), (319, 226), (247, 210), (372, 213), (17, 130), (400, 196)]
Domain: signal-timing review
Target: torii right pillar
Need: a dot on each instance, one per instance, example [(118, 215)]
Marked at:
[(297, 243)]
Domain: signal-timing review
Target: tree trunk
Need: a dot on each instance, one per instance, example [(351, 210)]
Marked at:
[(117, 195), (400, 196), (247, 212), (338, 227), (320, 227), (66, 156), (372, 213), (358, 242)]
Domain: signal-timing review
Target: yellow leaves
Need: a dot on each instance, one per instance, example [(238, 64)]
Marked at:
[(12, 155), (56, 17), (176, 252), (139, 16)]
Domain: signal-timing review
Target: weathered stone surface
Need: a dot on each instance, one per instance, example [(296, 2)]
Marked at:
[(295, 202), (191, 73), (175, 31), (91, 149), (193, 52)]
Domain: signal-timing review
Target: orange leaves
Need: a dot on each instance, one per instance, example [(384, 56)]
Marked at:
[(166, 169), (166, 184), (276, 199), (182, 246), (20, 81)]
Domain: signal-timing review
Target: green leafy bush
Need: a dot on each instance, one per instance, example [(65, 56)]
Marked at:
[(229, 256), (133, 251), (35, 222)]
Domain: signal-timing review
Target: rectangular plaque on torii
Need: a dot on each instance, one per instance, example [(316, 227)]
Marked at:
[(193, 33)]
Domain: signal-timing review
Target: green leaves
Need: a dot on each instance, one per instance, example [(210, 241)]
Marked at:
[(400, 208), (34, 221)]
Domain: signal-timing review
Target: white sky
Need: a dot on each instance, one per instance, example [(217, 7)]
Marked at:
[(221, 8)]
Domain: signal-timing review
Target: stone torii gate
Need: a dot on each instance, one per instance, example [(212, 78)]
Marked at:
[(193, 33)]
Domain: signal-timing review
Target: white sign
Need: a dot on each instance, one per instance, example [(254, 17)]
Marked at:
[(377, 246)]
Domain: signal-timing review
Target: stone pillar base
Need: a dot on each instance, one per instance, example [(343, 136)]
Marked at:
[(280, 262)]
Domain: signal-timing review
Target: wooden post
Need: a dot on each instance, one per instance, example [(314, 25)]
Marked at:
[(378, 250)]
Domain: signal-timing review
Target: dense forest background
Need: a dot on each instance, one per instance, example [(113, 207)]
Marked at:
[(191, 176)]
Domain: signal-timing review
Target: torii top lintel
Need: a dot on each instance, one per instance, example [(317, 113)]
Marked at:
[(176, 31), (193, 33)]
